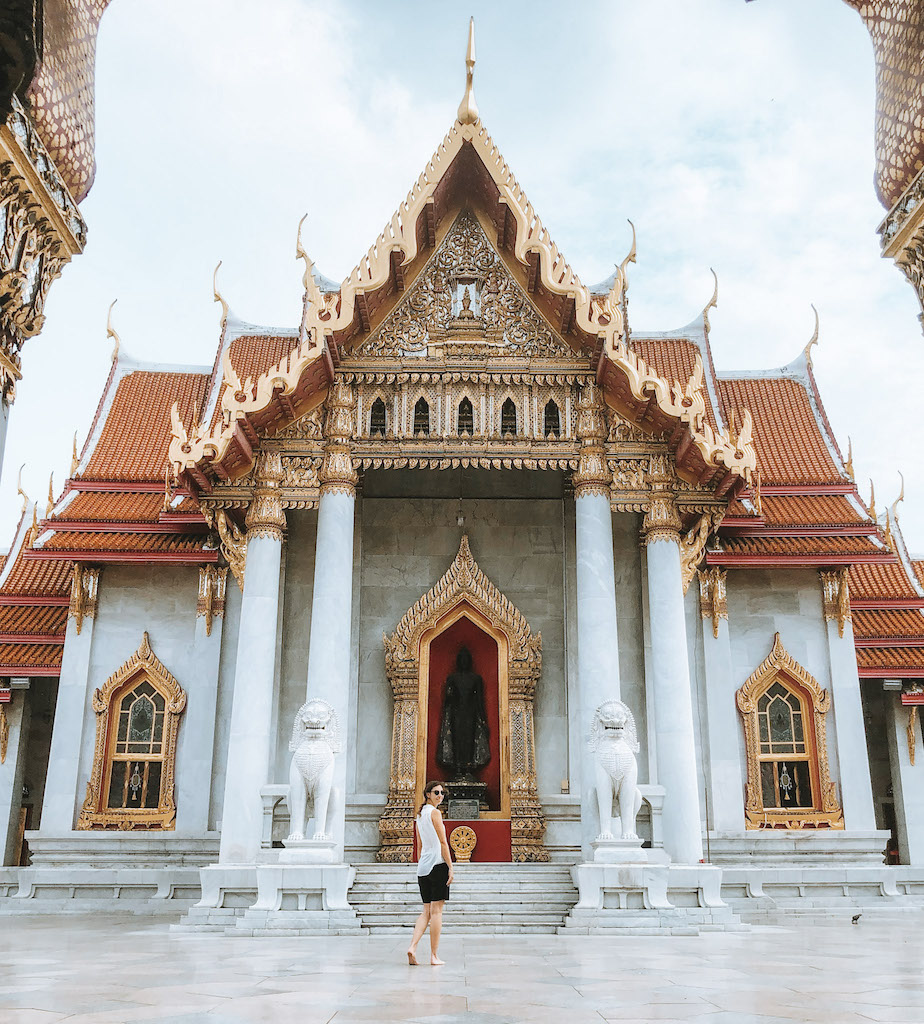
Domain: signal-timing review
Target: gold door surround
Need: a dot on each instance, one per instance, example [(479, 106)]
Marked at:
[(463, 591)]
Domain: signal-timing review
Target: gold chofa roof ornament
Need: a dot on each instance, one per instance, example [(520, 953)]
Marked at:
[(468, 108)]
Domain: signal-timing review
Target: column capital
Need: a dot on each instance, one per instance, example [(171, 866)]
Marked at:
[(662, 521), (265, 517), (592, 476), (337, 474)]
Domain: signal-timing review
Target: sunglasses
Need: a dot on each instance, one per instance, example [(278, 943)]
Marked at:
[(436, 792)]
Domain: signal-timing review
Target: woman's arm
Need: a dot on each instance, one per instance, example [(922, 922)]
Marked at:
[(441, 835)]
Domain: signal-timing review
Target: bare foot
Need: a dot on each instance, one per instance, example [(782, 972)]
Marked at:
[(411, 959), (436, 962)]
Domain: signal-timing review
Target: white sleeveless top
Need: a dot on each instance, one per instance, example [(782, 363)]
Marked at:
[(430, 852)]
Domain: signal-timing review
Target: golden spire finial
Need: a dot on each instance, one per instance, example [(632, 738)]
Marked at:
[(51, 496), (33, 532), (468, 108), (848, 465), (112, 333), (872, 501), (19, 490), (713, 303), (812, 341), (75, 458), (218, 298)]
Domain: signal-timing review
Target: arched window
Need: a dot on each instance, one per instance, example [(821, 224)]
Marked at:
[(421, 417), (552, 424), (466, 418), (378, 422), (508, 417), (784, 710), (131, 784)]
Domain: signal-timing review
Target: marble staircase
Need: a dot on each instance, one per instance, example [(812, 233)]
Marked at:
[(486, 898)]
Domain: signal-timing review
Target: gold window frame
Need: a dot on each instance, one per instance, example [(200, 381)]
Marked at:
[(780, 666), (142, 665)]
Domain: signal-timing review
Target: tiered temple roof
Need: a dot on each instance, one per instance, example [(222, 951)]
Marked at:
[(163, 435)]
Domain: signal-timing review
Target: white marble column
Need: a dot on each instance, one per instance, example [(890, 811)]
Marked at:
[(598, 649), (907, 778), (74, 717), (726, 775), (255, 671), (332, 599), (847, 707), (11, 774), (670, 674), (196, 740)]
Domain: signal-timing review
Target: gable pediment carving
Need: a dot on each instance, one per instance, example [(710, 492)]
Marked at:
[(465, 302)]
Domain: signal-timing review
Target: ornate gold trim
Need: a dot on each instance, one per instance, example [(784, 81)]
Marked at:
[(713, 601), (593, 475), (5, 734), (836, 596), (337, 475), (265, 517), (599, 317), (94, 813), (912, 719), (84, 593), (210, 602), (463, 590), (693, 544), (779, 663), (233, 540)]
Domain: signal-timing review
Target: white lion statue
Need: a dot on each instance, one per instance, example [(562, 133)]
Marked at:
[(315, 741), (613, 739)]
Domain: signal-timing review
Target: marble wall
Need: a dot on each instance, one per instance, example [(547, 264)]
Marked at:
[(133, 599), (407, 545)]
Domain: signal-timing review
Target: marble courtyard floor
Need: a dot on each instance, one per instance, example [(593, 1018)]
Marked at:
[(120, 969)]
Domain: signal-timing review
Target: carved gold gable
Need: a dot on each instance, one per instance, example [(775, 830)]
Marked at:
[(437, 316)]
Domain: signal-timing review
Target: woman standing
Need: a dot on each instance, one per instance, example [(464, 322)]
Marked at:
[(434, 872)]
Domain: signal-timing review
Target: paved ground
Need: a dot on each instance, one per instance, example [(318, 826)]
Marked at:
[(95, 969)]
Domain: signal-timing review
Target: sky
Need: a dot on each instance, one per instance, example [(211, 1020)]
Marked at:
[(735, 136)]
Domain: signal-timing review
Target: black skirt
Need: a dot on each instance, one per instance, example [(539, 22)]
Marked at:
[(435, 886)]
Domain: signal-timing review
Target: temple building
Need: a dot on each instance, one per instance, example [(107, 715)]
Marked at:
[(461, 447)]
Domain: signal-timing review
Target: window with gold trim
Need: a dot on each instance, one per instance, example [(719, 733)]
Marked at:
[(131, 784), (784, 710)]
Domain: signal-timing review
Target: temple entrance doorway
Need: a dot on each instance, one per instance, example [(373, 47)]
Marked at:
[(463, 666), (465, 740)]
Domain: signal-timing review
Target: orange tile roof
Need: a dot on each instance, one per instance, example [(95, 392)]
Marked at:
[(893, 659), (918, 565), (91, 541), (134, 439), (888, 622), (32, 619), (251, 355), (790, 447), (113, 506), (26, 656), (876, 581), (674, 359), (31, 576), (809, 510), (818, 545)]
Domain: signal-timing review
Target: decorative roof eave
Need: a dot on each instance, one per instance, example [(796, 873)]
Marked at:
[(229, 447), (775, 561), (718, 459), (199, 556)]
